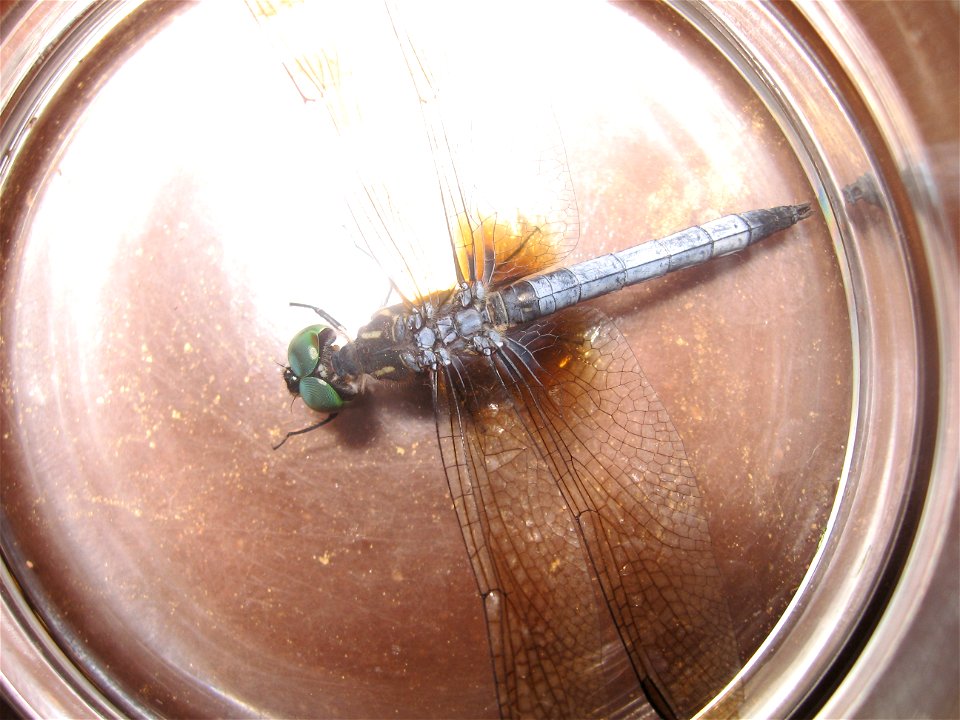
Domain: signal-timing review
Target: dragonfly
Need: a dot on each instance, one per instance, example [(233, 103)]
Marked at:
[(580, 513)]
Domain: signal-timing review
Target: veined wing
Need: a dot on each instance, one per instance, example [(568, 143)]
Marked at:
[(545, 618), (346, 57), (452, 173), (501, 163), (572, 471)]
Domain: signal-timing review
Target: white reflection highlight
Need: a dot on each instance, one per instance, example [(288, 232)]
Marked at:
[(272, 182)]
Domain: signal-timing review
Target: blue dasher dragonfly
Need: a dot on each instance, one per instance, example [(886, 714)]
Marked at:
[(581, 516)]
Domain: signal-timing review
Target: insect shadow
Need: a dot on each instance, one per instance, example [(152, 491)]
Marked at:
[(368, 419)]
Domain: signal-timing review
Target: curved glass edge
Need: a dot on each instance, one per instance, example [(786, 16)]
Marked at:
[(923, 605), (783, 93), (39, 53), (746, 42), (844, 149), (36, 676)]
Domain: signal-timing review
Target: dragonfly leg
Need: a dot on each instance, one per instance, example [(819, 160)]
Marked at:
[(307, 429), (322, 313)]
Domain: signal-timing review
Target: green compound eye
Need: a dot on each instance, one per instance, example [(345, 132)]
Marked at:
[(319, 395), (303, 353)]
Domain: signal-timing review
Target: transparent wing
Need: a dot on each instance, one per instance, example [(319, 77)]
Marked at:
[(577, 448), (545, 619), (503, 174), (346, 57), (312, 67), (451, 174)]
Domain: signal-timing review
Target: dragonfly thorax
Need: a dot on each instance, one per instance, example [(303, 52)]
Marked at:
[(399, 340), (461, 324), (464, 330)]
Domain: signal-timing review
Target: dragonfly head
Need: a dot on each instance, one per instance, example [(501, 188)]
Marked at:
[(308, 373)]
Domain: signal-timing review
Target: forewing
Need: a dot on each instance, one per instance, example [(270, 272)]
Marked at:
[(554, 651), (455, 170), (540, 226), (623, 470), (501, 162), (346, 57)]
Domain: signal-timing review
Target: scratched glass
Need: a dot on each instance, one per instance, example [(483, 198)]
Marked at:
[(189, 570)]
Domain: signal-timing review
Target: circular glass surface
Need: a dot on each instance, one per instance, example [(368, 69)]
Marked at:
[(169, 193)]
